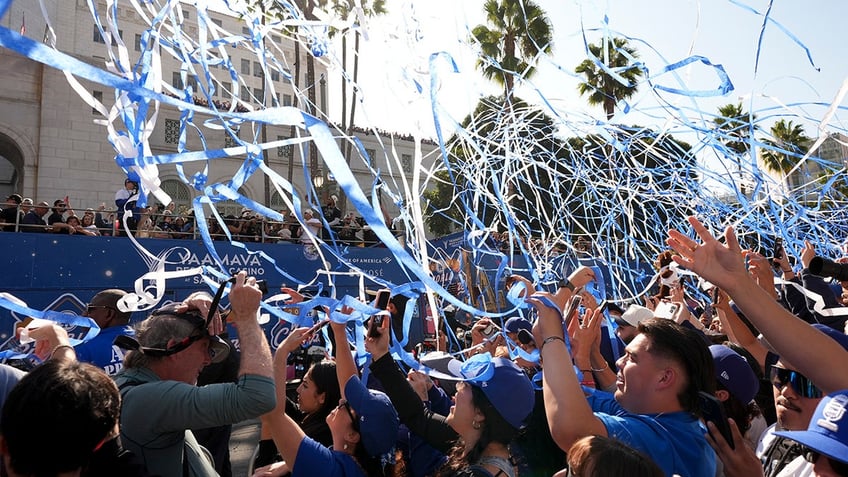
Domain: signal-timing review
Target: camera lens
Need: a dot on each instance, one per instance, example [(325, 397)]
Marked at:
[(828, 268)]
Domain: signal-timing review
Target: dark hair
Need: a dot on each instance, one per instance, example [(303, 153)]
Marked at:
[(597, 456), (56, 203), (65, 408), (494, 429), (323, 374), (742, 413), (373, 467), (687, 347)]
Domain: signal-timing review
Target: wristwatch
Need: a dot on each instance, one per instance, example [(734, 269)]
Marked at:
[(566, 283)]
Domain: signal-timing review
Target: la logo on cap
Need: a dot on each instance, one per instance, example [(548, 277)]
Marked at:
[(833, 412)]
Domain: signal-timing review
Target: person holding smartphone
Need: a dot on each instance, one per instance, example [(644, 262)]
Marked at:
[(736, 386)]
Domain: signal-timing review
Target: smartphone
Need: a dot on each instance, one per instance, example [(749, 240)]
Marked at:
[(382, 301), (777, 253), (713, 411), (572, 307), (714, 294), (376, 321), (666, 309), (490, 330), (603, 306)]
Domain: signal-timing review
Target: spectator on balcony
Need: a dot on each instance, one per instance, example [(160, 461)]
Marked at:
[(26, 206), (179, 228), (311, 223), (122, 202), (33, 221), (73, 226), (88, 222), (166, 221), (10, 215), (350, 227), (60, 212), (332, 215)]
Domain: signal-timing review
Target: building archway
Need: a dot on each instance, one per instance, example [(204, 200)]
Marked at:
[(11, 167), (180, 195)]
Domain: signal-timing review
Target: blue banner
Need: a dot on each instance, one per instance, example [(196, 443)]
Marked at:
[(62, 273)]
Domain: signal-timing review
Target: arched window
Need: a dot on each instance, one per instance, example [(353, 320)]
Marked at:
[(180, 194), (231, 207), (277, 202)]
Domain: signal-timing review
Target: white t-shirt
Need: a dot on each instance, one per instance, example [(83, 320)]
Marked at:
[(314, 226), (798, 467)]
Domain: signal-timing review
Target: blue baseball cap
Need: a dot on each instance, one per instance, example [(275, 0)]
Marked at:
[(378, 419), (828, 429), (734, 373), (516, 323), (509, 390), (502, 381)]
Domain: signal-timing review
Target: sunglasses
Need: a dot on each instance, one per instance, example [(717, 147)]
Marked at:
[(802, 385), (343, 403), (90, 308), (839, 467)]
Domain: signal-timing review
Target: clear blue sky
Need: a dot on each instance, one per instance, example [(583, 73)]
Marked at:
[(400, 44)]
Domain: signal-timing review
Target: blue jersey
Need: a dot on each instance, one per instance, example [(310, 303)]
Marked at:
[(675, 440), (100, 351), (315, 459)]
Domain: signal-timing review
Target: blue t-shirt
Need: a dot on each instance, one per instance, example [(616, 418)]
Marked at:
[(100, 351), (314, 459), (675, 441)]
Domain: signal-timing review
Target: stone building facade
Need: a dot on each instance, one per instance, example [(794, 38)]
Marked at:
[(52, 146)]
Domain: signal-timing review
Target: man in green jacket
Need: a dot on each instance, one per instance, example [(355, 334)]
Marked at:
[(161, 400)]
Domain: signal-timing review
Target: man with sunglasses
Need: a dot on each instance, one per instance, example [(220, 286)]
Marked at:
[(161, 400), (795, 399), (101, 350), (826, 439)]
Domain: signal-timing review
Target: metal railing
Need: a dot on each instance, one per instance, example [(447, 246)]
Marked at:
[(170, 226)]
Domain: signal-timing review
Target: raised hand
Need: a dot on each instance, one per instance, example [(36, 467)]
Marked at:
[(720, 264)]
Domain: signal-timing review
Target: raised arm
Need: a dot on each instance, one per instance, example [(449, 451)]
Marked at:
[(411, 410), (724, 265), (568, 412), (345, 366), (244, 305), (286, 433), (738, 331)]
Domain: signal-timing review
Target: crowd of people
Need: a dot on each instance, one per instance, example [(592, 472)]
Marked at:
[(751, 382), (20, 214)]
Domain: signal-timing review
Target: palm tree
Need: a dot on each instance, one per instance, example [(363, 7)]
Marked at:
[(788, 144), (734, 127), (602, 87), (515, 33), (306, 6), (276, 12), (343, 8)]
